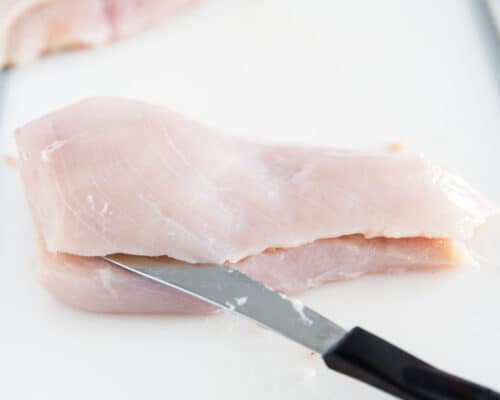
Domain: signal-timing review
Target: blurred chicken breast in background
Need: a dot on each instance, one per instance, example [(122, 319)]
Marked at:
[(31, 28)]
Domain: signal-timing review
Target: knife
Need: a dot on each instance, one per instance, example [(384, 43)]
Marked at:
[(356, 353)]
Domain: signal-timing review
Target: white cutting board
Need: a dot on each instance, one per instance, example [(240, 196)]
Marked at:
[(352, 74)]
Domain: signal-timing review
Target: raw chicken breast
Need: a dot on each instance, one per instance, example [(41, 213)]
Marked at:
[(92, 284), (115, 176), (29, 28)]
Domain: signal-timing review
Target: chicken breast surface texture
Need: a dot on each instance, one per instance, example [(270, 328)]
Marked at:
[(115, 176), (29, 28)]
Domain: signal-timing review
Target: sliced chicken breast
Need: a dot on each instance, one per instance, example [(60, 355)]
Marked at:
[(92, 284), (115, 176)]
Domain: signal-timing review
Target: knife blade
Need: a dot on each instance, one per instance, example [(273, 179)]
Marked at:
[(356, 353), (230, 289)]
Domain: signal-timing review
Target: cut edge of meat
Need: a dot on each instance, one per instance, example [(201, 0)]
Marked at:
[(91, 284)]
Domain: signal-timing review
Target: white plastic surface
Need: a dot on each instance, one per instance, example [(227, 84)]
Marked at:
[(351, 74)]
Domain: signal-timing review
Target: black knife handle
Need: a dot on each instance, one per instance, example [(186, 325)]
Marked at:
[(370, 359)]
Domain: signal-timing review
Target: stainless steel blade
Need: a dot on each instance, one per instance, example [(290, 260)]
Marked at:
[(230, 289)]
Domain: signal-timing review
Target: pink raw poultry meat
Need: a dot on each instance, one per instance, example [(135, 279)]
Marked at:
[(114, 176), (29, 28), (92, 284)]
